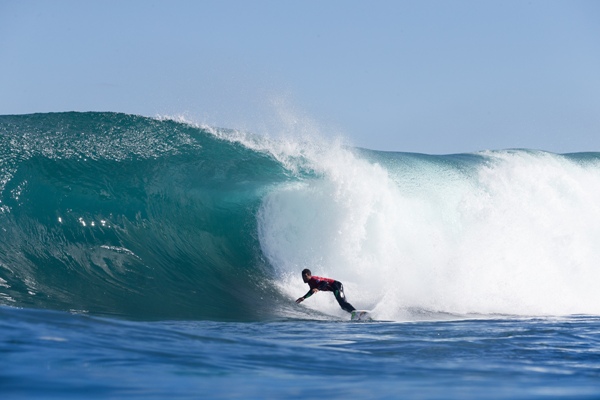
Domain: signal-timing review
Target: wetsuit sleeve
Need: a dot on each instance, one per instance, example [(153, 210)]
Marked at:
[(322, 285)]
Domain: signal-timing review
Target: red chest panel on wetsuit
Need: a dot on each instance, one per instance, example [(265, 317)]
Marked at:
[(321, 283)]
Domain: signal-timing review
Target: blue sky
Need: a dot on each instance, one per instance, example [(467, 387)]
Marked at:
[(423, 76)]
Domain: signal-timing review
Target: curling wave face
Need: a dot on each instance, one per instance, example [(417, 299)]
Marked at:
[(158, 219)]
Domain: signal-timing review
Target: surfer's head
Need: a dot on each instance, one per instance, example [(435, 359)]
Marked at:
[(306, 274)]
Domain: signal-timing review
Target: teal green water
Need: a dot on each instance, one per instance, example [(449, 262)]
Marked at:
[(130, 216)]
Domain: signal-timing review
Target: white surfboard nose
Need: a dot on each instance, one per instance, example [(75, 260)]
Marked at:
[(360, 315)]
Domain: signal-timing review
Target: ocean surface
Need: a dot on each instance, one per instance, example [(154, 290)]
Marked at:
[(157, 258)]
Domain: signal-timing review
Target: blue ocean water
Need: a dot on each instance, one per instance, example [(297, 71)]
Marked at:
[(156, 258), (59, 355)]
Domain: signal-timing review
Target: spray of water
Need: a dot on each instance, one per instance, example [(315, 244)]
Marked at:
[(512, 234), (503, 232)]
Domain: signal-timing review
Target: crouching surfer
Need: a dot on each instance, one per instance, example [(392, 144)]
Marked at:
[(317, 283)]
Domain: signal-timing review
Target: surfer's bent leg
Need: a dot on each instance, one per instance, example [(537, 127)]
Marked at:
[(341, 298)]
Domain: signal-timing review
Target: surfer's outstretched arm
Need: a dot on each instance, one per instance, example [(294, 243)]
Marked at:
[(307, 295)]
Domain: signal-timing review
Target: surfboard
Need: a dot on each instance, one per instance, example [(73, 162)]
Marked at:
[(360, 315)]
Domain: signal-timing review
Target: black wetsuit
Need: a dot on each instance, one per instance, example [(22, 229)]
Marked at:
[(330, 285)]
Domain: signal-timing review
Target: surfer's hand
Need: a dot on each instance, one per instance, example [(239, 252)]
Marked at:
[(315, 290), (300, 300)]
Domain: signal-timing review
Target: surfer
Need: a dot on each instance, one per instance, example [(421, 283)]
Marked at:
[(317, 283)]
